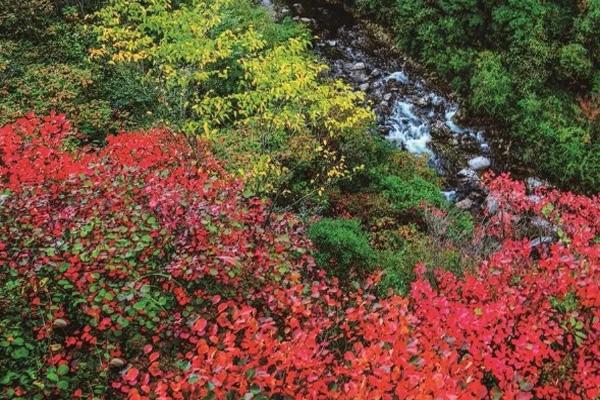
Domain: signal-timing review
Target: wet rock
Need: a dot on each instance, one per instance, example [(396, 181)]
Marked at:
[(331, 43), (468, 174), (298, 8), (364, 87), (465, 204), (423, 101), (306, 20), (359, 66), (360, 77), (387, 97), (450, 195), (479, 163)]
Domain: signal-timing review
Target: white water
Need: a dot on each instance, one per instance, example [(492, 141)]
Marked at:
[(410, 121), (408, 130)]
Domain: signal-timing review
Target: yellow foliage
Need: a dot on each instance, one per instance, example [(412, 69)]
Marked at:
[(223, 77)]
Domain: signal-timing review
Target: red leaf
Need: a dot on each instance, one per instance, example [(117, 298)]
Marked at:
[(131, 374)]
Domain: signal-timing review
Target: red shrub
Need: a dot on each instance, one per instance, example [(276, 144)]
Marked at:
[(141, 271)]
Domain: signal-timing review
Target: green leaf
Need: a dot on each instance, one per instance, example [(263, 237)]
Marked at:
[(62, 369), (52, 376), (20, 353)]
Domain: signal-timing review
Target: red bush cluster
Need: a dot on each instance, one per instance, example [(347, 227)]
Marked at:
[(142, 271)]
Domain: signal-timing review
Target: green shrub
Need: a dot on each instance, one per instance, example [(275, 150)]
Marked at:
[(28, 17), (596, 83), (573, 63), (342, 246), (398, 266), (411, 193), (491, 85), (499, 55)]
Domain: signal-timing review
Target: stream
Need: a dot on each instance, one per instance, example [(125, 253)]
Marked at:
[(411, 112)]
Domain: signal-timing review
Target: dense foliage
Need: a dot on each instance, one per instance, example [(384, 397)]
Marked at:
[(141, 270), (44, 66), (277, 248), (531, 67), (226, 71)]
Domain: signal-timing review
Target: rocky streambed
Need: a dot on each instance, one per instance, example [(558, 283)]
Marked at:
[(412, 112)]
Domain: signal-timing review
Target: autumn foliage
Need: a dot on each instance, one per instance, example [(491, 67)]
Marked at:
[(141, 271)]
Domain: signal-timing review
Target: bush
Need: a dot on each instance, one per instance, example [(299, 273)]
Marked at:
[(342, 246), (574, 64), (411, 193), (115, 263), (25, 17), (260, 99), (141, 271), (491, 86), (499, 54)]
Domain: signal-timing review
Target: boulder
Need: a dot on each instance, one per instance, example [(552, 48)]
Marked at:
[(467, 174), (359, 66), (465, 204), (479, 163)]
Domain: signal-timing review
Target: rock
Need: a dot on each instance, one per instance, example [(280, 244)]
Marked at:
[(364, 87), (360, 77), (423, 101), (491, 204), (306, 20), (331, 43), (384, 104), (387, 97), (533, 184), (285, 11), (543, 225), (465, 204), (59, 323), (117, 362), (479, 163), (467, 174), (298, 8), (384, 130), (450, 195), (534, 198), (359, 66), (541, 240)]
